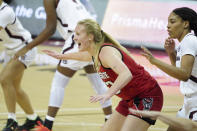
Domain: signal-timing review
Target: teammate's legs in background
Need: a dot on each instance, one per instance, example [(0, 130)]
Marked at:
[(21, 97), (10, 79), (7, 76), (24, 102), (100, 88)]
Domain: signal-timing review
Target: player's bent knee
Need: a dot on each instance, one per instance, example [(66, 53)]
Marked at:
[(5, 80), (57, 89)]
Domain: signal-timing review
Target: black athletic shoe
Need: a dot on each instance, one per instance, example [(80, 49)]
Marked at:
[(29, 124), (106, 119), (11, 125)]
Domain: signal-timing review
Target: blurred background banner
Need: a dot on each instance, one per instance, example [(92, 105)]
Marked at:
[(140, 22), (132, 22), (32, 15)]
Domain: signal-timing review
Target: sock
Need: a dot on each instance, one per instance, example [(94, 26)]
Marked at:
[(49, 122), (107, 117), (12, 116), (32, 116), (50, 118)]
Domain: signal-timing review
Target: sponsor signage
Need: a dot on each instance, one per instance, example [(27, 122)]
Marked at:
[(140, 22)]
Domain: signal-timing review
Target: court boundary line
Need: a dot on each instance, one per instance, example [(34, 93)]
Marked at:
[(80, 109), (90, 125), (85, 123)]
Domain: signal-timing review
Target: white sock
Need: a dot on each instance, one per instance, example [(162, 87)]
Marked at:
[(107, 116), (32, 116), (50, 118), (11, 116)]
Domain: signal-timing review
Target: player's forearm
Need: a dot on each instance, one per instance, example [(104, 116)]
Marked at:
[(178, 123), (172, 57), (44, 35), (171, 70), (122, 80), (81, 56)]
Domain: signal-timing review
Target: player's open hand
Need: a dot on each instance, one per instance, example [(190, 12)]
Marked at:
[(169, 45), (102, 98), (146, 53), (53, 54)]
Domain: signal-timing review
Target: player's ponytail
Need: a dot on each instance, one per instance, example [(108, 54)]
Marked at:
[(110, 39), (100, 37)]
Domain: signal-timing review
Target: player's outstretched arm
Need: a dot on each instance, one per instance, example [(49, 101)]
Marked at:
[(81, 56), (174, 122)]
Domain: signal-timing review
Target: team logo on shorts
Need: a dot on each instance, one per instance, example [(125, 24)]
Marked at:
[(147, 102)]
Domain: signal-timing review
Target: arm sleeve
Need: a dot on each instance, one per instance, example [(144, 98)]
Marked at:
[(7, 16)]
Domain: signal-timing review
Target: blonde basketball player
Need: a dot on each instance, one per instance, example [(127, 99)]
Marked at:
[(65, 14)]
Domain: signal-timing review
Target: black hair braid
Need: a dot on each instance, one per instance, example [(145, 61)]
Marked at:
[(7, 1), (194, 26)]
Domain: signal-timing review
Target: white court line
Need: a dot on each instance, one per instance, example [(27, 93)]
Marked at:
[(81, 109), (62, 110), (94, 124), (157, 129), (89, 125), (171, 107), (77, 124)]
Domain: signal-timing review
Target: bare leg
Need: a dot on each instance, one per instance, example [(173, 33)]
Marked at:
[(21, 97), (133, 122), (52, 111), (8, 75), (115, 122), (107, 110), (172, 129)]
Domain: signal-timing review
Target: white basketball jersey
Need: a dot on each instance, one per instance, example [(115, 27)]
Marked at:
[(188, 46), (13, 35), (69, 12)]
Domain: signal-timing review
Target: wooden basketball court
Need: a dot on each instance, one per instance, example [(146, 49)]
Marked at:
[(77, 113)]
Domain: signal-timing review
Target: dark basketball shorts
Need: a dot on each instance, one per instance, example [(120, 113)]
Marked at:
[(151, 100)]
